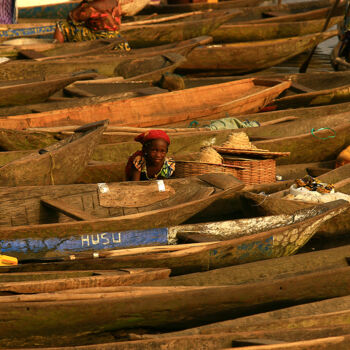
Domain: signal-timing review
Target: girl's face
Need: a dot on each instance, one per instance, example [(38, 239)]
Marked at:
[(156, 151)]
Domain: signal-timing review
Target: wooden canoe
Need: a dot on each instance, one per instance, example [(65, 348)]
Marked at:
[(267, 243), (241, 58), (97, 310), (47, 282), (24, 93), (146, 35), (215, 101), (307, 148), (248, 7), (185, 146), (333, 337), (184, 140), (47, 51), (316, 98), (241, 32), (83, 211), (272, 205), (61, 10), (246, 232), (9, 31), (60, 163), (265, 270), (141, 61)]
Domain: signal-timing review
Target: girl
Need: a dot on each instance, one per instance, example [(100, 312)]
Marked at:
[(151, 162)]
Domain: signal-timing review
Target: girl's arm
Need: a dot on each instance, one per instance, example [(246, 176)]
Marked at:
[(135, 175)]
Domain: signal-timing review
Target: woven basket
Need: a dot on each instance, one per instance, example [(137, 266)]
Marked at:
[(191, 168), (258, 171)]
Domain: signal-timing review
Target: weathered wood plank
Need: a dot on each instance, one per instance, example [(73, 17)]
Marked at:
[(66, 209)]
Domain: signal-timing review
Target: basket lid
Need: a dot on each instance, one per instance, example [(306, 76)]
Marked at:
[(254, 152)]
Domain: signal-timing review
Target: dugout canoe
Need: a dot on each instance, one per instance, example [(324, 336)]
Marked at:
[(25, 93), (99, 214), (248, 7), (207, 102), (183, 140), (331, 337), (264, 270), (146, 35), (307, 148), (61, 10), (242, 58), (241, 32), (10, 31), (275, 203), (316, 98), (130, 63), (100, 309), (47, 282), (274, 235), (47, 51), (188, 144), (60, 163)]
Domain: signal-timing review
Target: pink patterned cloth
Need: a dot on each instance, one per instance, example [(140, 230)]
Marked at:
[(7, 11)]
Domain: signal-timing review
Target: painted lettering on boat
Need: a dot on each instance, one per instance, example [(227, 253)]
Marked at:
[(104, 238), (19, 32), (96, 241)]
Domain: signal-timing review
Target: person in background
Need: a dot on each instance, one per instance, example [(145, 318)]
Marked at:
[(8, 12), (151, 162), (92, 20)]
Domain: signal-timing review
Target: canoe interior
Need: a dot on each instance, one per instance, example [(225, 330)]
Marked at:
[(47, 275), (26, 208), (70, 48), (232, 229)]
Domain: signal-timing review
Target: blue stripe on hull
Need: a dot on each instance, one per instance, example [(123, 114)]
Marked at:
[(79, 243), (13, 33)]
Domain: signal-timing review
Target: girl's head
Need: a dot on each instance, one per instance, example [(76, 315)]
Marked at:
[(155, 145)]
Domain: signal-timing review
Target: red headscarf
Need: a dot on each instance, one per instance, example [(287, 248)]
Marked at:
[(153, 135)]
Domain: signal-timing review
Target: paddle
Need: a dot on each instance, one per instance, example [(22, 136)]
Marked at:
[(305, 65)]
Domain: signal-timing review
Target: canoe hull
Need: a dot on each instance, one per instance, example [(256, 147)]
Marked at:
[(248, 57), (157, 34), (207, 102), (231, 33), (27, 248), (61, 163), (277, 242)]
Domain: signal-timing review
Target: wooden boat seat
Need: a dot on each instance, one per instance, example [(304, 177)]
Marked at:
[(67, 210)]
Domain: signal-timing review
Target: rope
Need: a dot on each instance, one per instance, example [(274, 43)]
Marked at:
[(323, 138), (264, 194), (193, 124), (51, 168)]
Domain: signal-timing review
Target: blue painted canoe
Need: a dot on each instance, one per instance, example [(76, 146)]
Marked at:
[(36, 247), (10, 31), (46, 220), (216, 244)]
